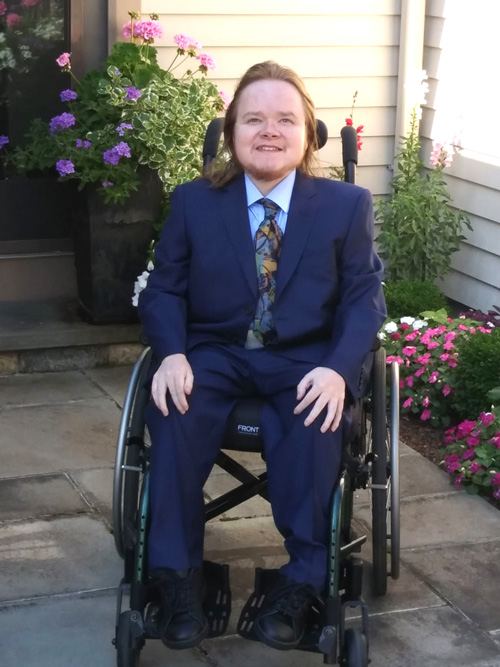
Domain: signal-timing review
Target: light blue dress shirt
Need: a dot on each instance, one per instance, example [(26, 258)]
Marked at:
[(280, 195)]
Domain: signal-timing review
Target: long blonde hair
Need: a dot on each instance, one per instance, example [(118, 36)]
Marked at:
[(268, 70)]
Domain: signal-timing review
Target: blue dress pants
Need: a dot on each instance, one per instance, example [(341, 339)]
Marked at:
[(303, 464)]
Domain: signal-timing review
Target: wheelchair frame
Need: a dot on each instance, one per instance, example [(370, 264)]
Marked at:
[(371, 460)]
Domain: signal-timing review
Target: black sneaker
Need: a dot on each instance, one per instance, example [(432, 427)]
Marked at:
[(282, 622), (183, 623)]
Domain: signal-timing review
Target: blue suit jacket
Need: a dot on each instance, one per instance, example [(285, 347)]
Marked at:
[(329, 303)]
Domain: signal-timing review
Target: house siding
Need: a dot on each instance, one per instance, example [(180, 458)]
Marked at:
[(337, 48), (474, 185)]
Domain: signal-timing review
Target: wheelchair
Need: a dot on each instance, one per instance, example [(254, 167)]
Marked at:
[(369, 461)]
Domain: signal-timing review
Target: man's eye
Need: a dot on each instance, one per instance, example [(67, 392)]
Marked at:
[(253, 120), (286, 120)]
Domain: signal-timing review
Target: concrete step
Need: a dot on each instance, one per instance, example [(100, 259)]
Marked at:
[(51, 335)]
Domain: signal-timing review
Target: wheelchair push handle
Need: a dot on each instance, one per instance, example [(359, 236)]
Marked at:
[(349, 152)]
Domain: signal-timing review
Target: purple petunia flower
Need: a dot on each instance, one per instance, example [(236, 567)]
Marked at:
[(3, 140), (123, 149), (67, 95), (61, 122), (113, 155), (80, 143), (132, 93), (65, 167), (107, 184), (122, 127)]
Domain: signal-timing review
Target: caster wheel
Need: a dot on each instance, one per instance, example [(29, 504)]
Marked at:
[(355, 649), (129, 639)]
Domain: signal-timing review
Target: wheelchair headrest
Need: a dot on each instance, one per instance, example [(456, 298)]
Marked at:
[(216, 127)]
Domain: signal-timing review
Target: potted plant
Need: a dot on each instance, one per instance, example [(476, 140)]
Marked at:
[(133, 130)]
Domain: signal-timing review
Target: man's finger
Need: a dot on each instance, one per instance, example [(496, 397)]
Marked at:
[(317, 409), (311, 396)]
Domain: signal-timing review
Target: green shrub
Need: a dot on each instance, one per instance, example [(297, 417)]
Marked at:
[(477, 373), (412, 297)]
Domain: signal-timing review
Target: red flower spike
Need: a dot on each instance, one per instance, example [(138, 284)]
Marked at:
[(348, 121)]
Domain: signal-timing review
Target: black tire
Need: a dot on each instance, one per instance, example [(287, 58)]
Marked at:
[(380, 473), (128, 647), (355, 651)]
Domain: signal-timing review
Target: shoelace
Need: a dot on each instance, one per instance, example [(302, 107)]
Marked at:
[(290, 599), (180, 594)]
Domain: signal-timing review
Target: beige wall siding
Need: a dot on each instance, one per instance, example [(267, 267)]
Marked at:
[(337, 47), (473, 184)]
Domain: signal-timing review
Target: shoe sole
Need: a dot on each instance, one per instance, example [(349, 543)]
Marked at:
[(281, 646), (187, 643)]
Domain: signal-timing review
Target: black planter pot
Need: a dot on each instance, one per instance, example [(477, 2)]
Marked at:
[(111, 243)]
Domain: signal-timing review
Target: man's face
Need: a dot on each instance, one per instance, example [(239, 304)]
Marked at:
[(270, 132)]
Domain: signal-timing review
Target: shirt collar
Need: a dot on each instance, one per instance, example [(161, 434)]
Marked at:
[(281, 194)]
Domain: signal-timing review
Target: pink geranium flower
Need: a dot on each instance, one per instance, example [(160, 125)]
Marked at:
[(409, 350), (13, 20), (452, 363), (451, 335), (3, 8), (448, 345), (426, 402), (424, 359), (432, 345), (411, 336), (446, 389), (409, 381), (419, 372), (64, 60), (392, 358), (426, 414), (206, 61), (148, 30), (184, 42), (29, 3), (434, 376), (225, 98), (408, 402)]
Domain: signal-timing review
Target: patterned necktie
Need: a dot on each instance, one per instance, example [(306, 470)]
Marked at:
[(267, 251)]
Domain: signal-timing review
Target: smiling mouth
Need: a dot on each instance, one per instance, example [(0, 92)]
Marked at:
[(269, 149)]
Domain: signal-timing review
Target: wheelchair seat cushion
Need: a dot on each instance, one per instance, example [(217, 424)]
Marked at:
[(243, 431)]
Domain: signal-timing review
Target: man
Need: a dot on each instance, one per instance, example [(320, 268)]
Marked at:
[(265, 282)]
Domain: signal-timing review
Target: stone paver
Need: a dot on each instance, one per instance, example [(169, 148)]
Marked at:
[(50, 438), (74, 632), (41, 495), (468, 575), (36, 388), (59, 568), (113, 381), (451, 518), (40, 558), (97, 486)]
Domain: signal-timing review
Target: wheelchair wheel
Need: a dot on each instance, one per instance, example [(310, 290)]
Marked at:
[(130, 457), (384, 473), (128, 646), (355, 650)]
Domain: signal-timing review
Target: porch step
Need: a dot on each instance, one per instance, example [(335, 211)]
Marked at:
[(51, 335)]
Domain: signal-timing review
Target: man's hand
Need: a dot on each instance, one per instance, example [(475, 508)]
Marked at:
[(325, 388), (174, 376)]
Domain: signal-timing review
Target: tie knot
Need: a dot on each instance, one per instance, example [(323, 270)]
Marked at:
[(270, 208)]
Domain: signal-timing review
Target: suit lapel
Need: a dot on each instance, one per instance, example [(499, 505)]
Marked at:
[(235, 218), (298, 227)]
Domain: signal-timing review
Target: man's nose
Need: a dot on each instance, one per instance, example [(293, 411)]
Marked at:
[(270, 128)]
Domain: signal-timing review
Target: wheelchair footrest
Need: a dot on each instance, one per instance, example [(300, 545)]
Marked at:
[(264, 581), (217, 603)]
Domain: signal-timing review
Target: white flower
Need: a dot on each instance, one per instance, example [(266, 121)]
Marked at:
[(490, 324), (139, 285), (390, 327), (150, 266), (407, 320), (381, 335), (419, 324)]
